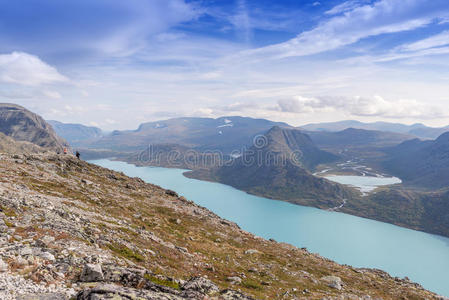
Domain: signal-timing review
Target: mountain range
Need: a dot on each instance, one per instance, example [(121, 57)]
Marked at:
[(421, 163), (357, 138), (290, 157), (73, 230), (416, 130), (76, 134), (224, 134)]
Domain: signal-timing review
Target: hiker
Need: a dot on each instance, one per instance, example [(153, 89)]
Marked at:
[(65, 150), (77, 155)]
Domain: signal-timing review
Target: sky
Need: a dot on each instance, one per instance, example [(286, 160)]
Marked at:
[(115, 64)]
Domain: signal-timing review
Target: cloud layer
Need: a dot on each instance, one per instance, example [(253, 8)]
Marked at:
[(353, 22), (375, 106), (25, 69), (120, 63)]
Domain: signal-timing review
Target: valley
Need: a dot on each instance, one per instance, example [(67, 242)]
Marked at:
[(280, 163), (219, 150)]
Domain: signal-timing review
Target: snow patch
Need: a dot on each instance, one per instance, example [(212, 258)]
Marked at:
[(226, 125)]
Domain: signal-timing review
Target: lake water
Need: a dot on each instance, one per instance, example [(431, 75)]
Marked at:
[(365, 184), (347, 239)]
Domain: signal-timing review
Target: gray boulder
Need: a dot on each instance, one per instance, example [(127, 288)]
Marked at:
[(92, 273), (201, 285), (3, 266), (333, 282)]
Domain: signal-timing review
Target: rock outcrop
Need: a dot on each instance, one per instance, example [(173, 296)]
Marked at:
[(24, 125)]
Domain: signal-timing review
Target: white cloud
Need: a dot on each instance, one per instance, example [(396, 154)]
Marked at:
[(344, 7), (434, 45), (15, 94), (51, 94), (384, 16), (242, 21), (375, 106), (26, 69), (441, 39)]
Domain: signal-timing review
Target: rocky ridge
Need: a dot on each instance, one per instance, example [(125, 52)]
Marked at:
[(23, 125), (73, 230)]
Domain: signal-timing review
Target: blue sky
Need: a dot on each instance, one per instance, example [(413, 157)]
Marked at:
[(116, 64)]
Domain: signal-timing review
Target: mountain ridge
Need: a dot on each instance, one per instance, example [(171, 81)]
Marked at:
[(279, 167), (76, 134), (224, 134), (23, 125), (417, 129), (421, 163)]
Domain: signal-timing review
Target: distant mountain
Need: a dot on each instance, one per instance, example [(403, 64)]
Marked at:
[(421, 163), (175, 156), (23, 125), (278, 167), (417, 130), (76, 134), (223, 134), (352, 137)]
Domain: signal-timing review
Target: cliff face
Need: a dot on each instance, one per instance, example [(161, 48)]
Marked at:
[(71, 228), (23, 125)]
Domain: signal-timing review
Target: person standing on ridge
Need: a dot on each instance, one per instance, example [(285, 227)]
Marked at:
[(77, 155)]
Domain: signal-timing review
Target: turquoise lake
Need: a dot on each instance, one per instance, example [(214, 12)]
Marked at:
[(422, 257)]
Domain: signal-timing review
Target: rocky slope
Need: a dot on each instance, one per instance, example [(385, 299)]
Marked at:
[(72, 229), (23, 125), (9, 145)]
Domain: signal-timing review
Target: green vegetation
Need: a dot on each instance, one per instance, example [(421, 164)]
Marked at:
[(125, 252), (163, 282)]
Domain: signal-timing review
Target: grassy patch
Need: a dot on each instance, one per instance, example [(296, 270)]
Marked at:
[(251, 284), (124, 251), (158, 281), (9, 224)]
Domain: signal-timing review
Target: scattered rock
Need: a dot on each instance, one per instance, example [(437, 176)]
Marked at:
[(92, 273), (202, 285), (252, 251), (47, 256), (171, 193), (333, 282), (26, 251), (235, 280), (233, 295), (3, 266)]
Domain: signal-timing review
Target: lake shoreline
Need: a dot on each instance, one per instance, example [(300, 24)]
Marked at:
[(320, 231)]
